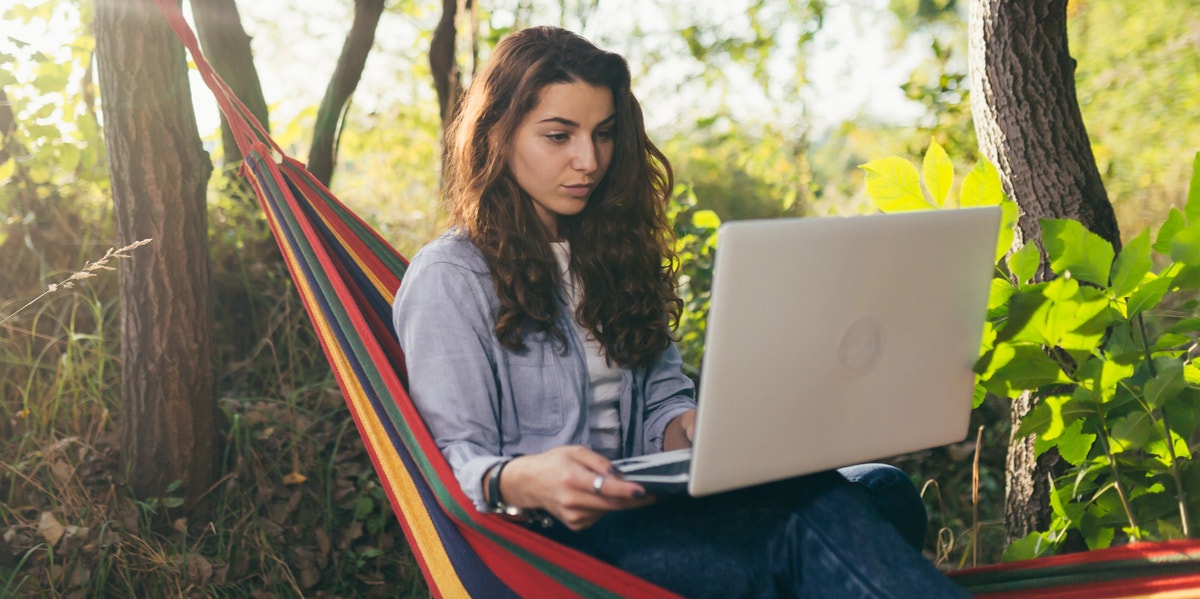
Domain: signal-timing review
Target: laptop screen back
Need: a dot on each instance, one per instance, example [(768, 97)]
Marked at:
[(832, 341)]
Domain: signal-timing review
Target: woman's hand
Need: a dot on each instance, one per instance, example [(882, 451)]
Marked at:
[(680, 431), (573, 483)]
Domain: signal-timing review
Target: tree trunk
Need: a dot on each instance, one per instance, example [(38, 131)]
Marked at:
[(322, 157), (443, 62), (159, 172), (1029, 125), (227, 48)]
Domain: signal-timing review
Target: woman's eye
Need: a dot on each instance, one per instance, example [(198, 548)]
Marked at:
[(605, 134), (557, 137)]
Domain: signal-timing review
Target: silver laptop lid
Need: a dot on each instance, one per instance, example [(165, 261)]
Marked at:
[(836, 340)]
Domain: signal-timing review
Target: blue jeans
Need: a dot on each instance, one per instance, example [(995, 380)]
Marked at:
[(892, 494), (813, 536)]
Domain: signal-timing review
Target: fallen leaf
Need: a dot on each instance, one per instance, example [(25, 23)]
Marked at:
[(309, 577), (199, 569), (324, 544), (80, 577), (50, 528), (62, 471)]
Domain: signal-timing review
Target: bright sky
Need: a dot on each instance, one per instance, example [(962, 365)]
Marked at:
[(854, 69)]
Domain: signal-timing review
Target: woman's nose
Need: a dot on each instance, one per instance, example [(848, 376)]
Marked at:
[(584, 159)]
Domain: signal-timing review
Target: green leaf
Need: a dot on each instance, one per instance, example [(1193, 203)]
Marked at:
[(1027, 309), (1149, 294), (52, 77), (1001, 291), (1023, 263), (1158, 447), (1173, 225), (938, 173), (1193, 204), (893, 186), (1054, 414), (1132, 265), (1037, 544), (1120, 346), (706, 219), (1099, 537), (1131, 432), (363, 506), (1166, 386), (1185, 245), (1009, 214), (982, 186), (1010, 369), (1062, 506), (1075, 445), (1102, 377), (1081, 319), (1059, 313), (1072, 248)]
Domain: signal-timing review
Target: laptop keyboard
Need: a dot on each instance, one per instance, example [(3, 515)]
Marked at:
[(671, 463), (668, 469)]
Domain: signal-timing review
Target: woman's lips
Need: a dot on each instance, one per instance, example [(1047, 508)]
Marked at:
[(578, 191)]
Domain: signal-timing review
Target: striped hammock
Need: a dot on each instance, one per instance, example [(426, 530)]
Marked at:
[(347, 276)]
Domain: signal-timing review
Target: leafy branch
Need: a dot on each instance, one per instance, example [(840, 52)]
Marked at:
[(1106, 343)]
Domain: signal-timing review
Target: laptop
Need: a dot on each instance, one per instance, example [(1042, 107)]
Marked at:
[(833, 341)]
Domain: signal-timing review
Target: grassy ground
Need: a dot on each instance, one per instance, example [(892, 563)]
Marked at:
[(297, 510)]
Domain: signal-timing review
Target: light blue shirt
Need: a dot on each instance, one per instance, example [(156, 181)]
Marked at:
[(481, 400)]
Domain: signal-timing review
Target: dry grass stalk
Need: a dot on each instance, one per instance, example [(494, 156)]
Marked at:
[(88, 271)]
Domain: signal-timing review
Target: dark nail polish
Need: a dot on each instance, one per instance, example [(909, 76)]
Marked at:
[(639, 493)]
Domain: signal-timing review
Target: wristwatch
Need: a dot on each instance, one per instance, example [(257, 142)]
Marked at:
[(510, 512)]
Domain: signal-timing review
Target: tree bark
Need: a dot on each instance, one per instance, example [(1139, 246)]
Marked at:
[(443, 62), (322, 157), (227, 48), (159, 172), (8, 125), (1029, 124)]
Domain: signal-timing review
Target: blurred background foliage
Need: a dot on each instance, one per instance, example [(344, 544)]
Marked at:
[(753, 101)]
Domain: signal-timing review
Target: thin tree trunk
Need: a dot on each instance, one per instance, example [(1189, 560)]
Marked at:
[(443, 63), (322, 158), (159, 172), (8, 125), (227, 48), (1028, 122)]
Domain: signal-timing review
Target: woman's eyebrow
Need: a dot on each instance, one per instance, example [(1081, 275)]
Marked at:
[(569, 123)]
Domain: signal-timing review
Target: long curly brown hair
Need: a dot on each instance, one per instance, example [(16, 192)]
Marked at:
[(622, 245)]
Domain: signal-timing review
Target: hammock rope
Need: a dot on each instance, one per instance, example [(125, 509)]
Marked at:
[(347, 276)]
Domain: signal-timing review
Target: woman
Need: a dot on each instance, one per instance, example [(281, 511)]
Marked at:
[(538, 339)]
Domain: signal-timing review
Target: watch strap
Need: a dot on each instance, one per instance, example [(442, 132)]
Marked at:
[(495, 498)]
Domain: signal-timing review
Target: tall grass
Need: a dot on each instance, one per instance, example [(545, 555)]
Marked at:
[(297, 510)]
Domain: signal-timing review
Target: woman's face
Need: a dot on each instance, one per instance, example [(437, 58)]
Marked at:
[(562, 148)]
